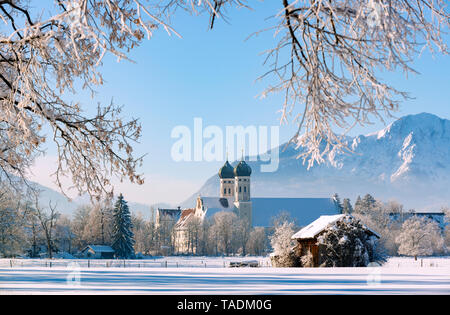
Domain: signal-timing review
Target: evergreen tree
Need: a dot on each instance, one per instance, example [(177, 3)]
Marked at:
[(369, 202), (123, 237), (347, 206), (337, 202), (366, 204), (358, 204)]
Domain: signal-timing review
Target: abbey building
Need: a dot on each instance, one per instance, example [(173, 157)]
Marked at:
[(235, 195)]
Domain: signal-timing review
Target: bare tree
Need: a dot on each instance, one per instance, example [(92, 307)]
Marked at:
[(193, 233), (47, 221), (222, 230), (330, 55), (446, 211), (326, 61), (98, 228), (79, 223), (419, 236), (13, 216), (241, 234), (379, 218), (257, 242)]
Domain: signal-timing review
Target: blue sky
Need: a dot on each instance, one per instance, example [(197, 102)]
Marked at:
[(211, 74)]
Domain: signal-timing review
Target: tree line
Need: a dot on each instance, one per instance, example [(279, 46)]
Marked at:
[(29, 229), (26, 228), (401, 232)]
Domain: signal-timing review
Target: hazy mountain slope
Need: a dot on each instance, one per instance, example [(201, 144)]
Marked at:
[(409, 161), (58, 200), (68, 207)]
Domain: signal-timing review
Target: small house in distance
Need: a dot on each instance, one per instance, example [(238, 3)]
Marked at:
[(309, 244), (98, 252)]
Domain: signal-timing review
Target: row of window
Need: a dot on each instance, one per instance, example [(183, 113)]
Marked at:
[(229, 189), (240, 179)]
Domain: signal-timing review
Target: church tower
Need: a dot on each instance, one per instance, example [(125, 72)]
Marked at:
[(226, 175), (242, 200)]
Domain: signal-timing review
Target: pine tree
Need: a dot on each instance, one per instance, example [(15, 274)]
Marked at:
[(123, 237), (347, 206), (369, 202), (337, 202), (366, 204), (358, 204)]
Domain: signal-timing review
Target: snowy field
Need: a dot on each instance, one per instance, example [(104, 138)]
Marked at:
[(177, 275)]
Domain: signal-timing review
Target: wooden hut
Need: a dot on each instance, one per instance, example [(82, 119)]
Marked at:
[(307, 237), (98, 252)]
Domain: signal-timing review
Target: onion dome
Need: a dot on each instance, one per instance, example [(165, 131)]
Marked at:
[(242, 169), (226, 171)]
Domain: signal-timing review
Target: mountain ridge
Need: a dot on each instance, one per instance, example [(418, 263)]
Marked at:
[(408, 161)]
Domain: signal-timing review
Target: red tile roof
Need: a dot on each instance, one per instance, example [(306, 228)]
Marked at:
[(184, 218)]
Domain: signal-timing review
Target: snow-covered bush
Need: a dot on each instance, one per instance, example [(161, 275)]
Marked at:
[(282, 245), (307, 260), (281, 239), (346, 243)]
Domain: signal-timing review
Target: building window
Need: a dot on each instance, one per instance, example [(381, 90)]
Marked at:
[(245, 189), (224, 190), (229, 190), (239, 188)]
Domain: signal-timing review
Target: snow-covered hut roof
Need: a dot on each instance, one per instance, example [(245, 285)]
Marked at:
[(319, 225)]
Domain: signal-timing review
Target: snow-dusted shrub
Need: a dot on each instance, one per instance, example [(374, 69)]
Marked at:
[(347, 243), (288, 259), (307, 260), (282, 244), (281, 239)]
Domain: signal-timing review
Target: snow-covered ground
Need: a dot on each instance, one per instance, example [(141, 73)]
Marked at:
[(151, 276)]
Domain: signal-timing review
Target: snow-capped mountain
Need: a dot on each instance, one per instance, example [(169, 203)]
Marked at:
[(408, 161)]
